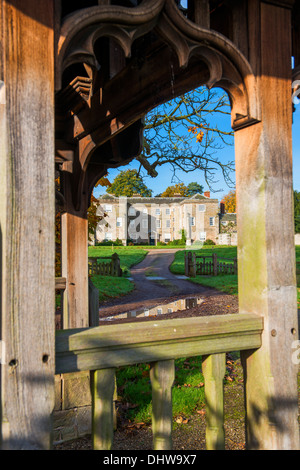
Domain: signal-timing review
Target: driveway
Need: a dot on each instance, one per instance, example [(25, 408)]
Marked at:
[(154, 284)]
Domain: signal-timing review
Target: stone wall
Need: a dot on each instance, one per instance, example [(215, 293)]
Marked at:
[(72, 412), (227, 239)]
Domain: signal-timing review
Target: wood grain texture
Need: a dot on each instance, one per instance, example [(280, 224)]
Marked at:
[(162, 375), (213, 367), (102, 390), (27, 217), (266, 253), (131, 343)]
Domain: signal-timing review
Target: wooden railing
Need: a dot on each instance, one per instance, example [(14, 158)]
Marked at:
[(103, 349), (213, 267), (109, 267)]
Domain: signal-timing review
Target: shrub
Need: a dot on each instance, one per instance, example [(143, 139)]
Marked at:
[(116, 242), (209, 242), (175, 243), (161, 244)]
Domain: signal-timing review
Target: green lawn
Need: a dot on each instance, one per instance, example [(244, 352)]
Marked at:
[(134, 388), (129, 256), (224, 282), (111, 287)]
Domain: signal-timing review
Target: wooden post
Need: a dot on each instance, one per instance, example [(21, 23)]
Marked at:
[(266, 251), (93, 305), (191, 264), (215, 269), (162, 376), (213, 367), (27, 213), (74, 235), (102, 389)]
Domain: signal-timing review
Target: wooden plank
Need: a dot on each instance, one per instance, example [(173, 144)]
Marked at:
[(162, 375), (27, 212), (102, 391), (137, 342), (266, 251), (213, 367)]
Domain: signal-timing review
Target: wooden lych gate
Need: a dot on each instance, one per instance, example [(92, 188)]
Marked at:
[(76, 79)]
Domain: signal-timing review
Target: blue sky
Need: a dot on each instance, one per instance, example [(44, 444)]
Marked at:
[(220, 188)]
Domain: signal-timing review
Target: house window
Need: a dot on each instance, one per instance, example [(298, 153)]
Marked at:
[(131, 211), (119, 222), (158, 223), (157, 211), (108, 236), (146, 313), (145, 210), (168, 211), (108, 208), (168, 223), (192, 221), (211, 221), (167, 237), (144, 223), (201, 208), (159, 311), (202, 236)]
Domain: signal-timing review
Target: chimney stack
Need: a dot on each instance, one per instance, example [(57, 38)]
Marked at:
[(206, 194)]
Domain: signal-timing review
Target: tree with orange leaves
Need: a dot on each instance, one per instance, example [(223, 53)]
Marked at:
[(230, 202)]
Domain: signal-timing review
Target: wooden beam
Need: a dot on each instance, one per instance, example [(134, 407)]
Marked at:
[(27, 211), (266, 251), (137, 342)]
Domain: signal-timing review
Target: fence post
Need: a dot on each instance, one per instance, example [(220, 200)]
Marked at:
[(162, 376), (215, 268), (102, 390), (191, 264), (186, 264), (213, 367), (115, 265), (235, 267)]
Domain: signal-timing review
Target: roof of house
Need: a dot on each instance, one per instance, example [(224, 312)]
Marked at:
[(158, 199)]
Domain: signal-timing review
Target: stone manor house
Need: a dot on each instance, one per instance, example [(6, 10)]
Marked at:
[(158, 219)]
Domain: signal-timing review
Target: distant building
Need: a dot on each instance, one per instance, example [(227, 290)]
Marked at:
[(158, 219)]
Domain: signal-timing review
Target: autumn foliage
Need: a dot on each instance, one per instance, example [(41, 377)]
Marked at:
[(230, 202)]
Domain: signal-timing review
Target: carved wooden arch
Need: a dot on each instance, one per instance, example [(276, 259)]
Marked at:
[(225, 66)]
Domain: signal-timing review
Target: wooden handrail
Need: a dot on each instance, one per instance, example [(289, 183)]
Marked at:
[(138, 342), (102, 349)]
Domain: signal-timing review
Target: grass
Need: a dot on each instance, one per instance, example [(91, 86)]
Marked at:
[(134, 386), (224, 282), (112, 287), (129, 256)]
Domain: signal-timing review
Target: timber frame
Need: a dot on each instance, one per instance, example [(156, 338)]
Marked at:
[(75, 85)]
